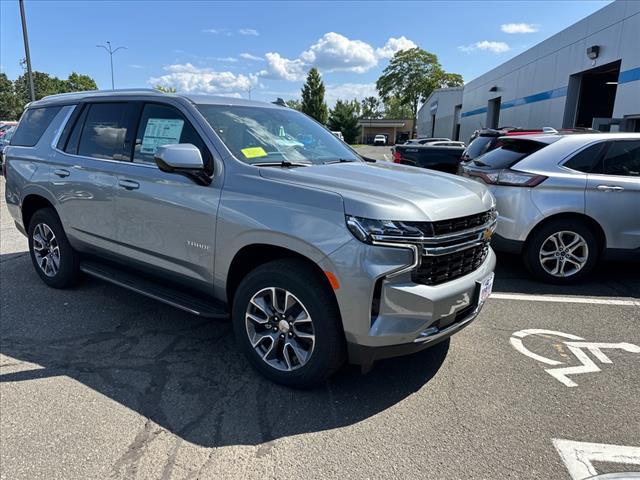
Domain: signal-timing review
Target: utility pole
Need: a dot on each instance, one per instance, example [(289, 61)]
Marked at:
[(26, 51), (110, 51)]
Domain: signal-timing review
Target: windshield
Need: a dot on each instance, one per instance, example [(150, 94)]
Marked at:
[(262, 135)]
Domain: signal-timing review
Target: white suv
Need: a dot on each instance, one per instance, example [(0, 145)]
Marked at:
[(380, 140)]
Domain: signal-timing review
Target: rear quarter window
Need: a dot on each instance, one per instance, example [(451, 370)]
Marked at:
[(32, 125)]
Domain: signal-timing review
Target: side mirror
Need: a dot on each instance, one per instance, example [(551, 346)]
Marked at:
[(182, 158), (179, 156)]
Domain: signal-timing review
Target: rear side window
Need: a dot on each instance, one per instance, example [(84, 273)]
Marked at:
[(585, 160), (106, 131), (511, 152), (622, 158), (32, 125)]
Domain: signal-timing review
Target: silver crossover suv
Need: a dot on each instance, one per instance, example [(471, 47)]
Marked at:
[(565, 200), (221, 206)]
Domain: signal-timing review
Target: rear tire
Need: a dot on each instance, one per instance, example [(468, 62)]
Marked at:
[(562, 251), (287, 323), (55, 261)]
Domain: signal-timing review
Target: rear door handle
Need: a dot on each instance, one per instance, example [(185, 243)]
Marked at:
[(61, 172), (129, 184), (609, 188)]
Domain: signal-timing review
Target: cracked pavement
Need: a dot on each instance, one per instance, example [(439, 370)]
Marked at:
[(98, 382)]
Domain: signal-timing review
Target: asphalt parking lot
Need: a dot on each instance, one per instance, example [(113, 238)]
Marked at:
[(98, 382)]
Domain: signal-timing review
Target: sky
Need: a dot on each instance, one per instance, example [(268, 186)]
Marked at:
[(263, 50)]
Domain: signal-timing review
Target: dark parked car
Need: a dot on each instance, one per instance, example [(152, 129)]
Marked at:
[(444, 158)]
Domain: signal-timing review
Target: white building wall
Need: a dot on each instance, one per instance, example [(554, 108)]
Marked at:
[(445, 100), (533, 85)]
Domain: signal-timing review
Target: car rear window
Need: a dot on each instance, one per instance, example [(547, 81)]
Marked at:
[(478, 146), (509, 153), (32, 125)]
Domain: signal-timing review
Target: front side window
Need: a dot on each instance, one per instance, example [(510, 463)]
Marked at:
[(622, 158), (105, 130), (585, 160), (258, 135), (162, 125), (32, 125)]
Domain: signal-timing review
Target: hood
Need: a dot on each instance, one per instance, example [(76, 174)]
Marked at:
[(387, 191)]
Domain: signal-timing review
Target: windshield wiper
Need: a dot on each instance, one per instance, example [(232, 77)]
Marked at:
[(339, 160), (283, 163)]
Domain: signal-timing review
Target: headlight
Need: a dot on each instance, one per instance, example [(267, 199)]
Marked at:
[(367, 230)]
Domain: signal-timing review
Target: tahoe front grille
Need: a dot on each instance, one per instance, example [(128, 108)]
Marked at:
[(434, 270)]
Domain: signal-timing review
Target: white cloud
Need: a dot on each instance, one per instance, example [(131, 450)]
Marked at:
[(333, 53), (218, 31), (226, 59), (188, 78), (519, 27), (486, 45), (248, 56), (282, 68), (248, 31), (394, 45), (349, 91)]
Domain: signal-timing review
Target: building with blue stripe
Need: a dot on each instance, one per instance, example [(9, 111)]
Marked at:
[(587, 75)]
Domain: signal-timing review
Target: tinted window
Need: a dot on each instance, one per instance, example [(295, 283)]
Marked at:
[(32, 125), (70, 144), (622, 158), (162, 125), (511, 152), (478, 146), (584, 160), (105, 130)]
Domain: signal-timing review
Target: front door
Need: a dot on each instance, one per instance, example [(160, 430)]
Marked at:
[(166, 222), (613, 194)]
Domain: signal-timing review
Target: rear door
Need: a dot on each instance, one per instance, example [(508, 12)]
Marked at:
[(613, 194), (97, 137), (166, 222)]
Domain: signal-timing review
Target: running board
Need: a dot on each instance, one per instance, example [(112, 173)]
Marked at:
[(203, 307)]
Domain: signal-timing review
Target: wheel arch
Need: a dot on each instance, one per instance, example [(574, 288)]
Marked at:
[(586, 219), (31, 203), (253, 255)]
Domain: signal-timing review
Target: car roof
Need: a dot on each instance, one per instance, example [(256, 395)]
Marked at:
[(200, 99), (582, 138)]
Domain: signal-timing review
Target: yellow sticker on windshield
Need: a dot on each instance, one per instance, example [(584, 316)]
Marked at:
[(254, 152)]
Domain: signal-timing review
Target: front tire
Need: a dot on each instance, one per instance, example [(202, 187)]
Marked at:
[(54, 259), (561, 252), (287, 323)]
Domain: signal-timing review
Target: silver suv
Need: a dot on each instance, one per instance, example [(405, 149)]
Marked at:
[(565, 200), (222, 206)]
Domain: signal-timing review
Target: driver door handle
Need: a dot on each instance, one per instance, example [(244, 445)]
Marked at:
[(60, 172), (609, 188), (129, 184)]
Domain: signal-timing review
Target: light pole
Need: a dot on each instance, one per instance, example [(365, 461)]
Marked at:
[(111, 51), (26, 50)]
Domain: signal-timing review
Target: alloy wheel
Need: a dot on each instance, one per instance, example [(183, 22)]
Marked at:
[(46, 249), (280, 328), (563, 254)]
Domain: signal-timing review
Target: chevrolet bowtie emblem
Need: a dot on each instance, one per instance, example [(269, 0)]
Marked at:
[(487, 234)]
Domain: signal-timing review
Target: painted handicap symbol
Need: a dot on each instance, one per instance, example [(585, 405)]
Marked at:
[(575, 345)]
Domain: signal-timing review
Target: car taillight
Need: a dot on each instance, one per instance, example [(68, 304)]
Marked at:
[(397, 158), (510, 178)]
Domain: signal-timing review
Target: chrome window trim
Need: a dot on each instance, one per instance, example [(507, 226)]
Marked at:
[(58, 134)]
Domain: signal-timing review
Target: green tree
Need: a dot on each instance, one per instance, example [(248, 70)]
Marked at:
[(9, 109), (163, 89), (371, 107), (295, 104), (344, 118), (79, 83), (313, 103), (411, 76), (394, 108)]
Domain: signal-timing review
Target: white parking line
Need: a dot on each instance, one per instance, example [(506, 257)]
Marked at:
[(551, 298)]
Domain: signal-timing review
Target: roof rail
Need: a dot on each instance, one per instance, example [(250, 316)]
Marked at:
[(119, 90)]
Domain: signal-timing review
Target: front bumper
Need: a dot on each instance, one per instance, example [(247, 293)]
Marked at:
[(389, 316)]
